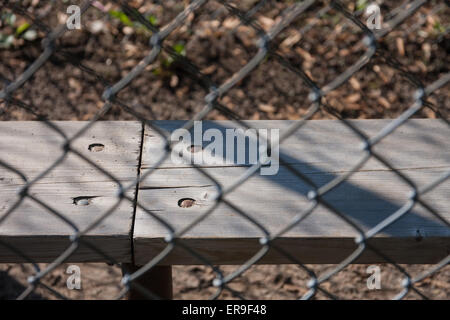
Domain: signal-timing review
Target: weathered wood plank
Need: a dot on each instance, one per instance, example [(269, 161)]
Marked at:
[(323, 151), (32, 147)]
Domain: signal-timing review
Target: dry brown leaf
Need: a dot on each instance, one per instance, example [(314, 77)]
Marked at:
[(355, 83), (209, 70), (174, 81), (353, 98), (231, 22), (400, 46), (291, 40), (266, 107), (304, 54), (383, 101), (426, 47), (266, 22), (255, 116)]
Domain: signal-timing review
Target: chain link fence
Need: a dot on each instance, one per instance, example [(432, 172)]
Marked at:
[(279, 32)]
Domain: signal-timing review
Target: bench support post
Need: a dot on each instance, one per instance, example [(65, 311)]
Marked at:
[(158, 281)]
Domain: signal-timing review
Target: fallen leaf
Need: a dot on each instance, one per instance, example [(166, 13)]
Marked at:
[(266, 107)]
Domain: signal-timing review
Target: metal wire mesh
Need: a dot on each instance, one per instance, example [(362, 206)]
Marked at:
[(369, 43)]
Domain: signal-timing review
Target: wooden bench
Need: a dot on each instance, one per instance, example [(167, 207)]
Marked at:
[(321, 150)]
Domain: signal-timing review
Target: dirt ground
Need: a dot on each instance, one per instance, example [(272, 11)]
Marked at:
[(99, 281), (69, 86)]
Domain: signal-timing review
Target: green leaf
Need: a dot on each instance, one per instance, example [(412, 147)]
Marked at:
[(439, 27), (121, 16), (361, 4), (156, 71), (153, 20), (22, 28), (180, 49)]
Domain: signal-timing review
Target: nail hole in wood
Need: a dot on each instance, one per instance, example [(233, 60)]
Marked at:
[(96, 147), (82, 201), (186, 202)]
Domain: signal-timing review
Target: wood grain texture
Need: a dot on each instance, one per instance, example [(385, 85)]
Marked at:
[(322, 150), (32, 147)]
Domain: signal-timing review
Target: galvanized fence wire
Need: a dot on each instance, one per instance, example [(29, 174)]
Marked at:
[(266, 48)]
